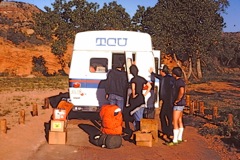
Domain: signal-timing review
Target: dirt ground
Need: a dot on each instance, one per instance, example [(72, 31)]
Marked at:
[(28, 141)]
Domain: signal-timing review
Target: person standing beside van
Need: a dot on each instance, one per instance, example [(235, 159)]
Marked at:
[(178, 105), (137, 100), (166, 82), (116, 86)]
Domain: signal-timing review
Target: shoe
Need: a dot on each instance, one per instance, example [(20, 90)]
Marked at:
[(183, 140), (172, 143)]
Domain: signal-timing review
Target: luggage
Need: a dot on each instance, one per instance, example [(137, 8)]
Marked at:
[(54, 100), (111, 128), (112, 120), (108, 141)]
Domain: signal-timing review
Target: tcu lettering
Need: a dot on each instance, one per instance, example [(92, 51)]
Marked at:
[(111, 41)]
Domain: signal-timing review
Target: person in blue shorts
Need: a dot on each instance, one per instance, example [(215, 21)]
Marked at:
[(179, 102)]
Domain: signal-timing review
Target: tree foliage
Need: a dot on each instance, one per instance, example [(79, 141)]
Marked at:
[(190, 30), (185, 28), (66, 18), (227, 50), (136, 21), (113, 16)]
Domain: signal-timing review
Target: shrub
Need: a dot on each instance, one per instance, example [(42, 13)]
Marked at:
[(39, 65), (34, 40), (15, 36)]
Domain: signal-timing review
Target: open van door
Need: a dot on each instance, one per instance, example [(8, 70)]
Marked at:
[(157, 57), (129, 61)]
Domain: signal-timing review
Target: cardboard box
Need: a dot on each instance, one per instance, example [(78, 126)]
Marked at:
[(143, 139), (140, 136), (148, 125), (144, 143), (57, 125), (57, 137), (59, 114), (155, 135)]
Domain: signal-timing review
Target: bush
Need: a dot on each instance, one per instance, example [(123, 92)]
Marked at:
[(5, 20), (39, 65), (34, 40), (15, 36)]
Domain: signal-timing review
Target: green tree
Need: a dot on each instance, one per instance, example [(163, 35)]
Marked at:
[(185, 28), (60, 24), (136, 21), (229, 49), (113, 16)]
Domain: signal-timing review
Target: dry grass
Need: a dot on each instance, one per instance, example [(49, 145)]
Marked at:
[(22, 93)]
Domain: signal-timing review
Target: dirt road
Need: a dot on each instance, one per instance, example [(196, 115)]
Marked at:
[(79, 147), (29, 142)]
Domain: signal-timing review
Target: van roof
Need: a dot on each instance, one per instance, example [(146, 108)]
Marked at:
[(113, 40)]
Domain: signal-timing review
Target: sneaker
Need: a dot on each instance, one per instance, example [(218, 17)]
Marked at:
[(172, 143), (183, 140)]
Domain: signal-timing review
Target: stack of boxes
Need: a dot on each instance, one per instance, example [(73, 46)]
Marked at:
[(148, 133), (58, 133)]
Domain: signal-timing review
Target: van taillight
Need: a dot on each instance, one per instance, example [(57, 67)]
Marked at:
[(76, 85)]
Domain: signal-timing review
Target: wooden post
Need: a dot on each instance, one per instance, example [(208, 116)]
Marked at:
[(196, 105), (22, 117), (201, 108), (46, 103), (215, 112), (35, 110), (230, 120), (188, 102), (191, 109), (3, 126)]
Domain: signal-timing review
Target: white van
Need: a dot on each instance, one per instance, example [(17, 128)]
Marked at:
[(94, 54)]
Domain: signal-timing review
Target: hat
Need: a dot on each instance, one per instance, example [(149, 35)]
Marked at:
[(161, 67), (164, 68)]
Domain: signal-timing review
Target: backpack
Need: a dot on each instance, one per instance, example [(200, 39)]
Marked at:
[(112, 120), (108, 141)]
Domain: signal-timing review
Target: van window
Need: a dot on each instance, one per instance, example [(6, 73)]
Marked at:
[(98, 65)]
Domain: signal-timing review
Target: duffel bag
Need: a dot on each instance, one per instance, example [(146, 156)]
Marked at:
[(108, 141)]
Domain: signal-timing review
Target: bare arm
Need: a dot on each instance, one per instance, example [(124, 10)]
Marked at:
[(149, 86), (180, 95), (134, 90)]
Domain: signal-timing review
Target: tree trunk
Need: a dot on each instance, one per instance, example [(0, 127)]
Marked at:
[(190, 68), (199, 71), (179, 65)]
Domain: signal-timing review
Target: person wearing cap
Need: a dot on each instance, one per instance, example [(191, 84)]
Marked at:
[(166, 82), (116, 86)]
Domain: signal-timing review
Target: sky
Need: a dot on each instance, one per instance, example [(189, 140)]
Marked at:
[(231, 18)]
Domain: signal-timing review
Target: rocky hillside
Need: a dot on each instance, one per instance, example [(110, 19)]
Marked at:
[(17, 59)]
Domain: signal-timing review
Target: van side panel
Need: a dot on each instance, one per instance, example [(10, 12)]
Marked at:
[(86, 88)]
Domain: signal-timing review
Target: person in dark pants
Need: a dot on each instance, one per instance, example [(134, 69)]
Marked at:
[(166, 81), (116, 86), (137, 98)]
